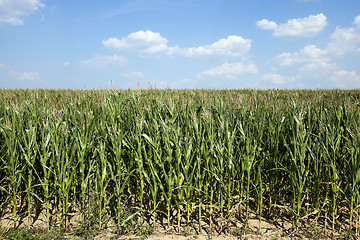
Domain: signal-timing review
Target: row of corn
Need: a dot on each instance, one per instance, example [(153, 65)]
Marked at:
[(186, 156)]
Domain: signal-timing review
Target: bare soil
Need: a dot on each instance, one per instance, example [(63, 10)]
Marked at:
[(279, 230)]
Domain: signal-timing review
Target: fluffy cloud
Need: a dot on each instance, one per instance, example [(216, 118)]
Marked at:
[(318, 69), (11, 11), (274, 78), (102, 61), (318, 65), (357, 21), (309, 53), (229, 70), (3, 65), (230, 46), (345, 40), (149, 42), (135, 41), (25, 76), (346, 79), (277, 78), (342, 41), (266, 24), (132, 74), (299, 27), (31, 76)]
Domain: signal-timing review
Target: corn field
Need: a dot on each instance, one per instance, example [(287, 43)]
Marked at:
[(183, 156)]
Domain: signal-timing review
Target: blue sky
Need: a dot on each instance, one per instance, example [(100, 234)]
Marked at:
[(213, 44)]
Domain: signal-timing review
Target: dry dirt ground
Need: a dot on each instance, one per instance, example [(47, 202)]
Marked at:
[(279, 230), (268, 231)]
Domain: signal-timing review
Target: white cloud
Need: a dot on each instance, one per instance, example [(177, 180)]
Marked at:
[(346, 79), (278, 79), (184, 83), (274, 78), (67, 63), (230, 46), (132, 74), (32, 76), (345, 40), (357, 21), (318, 66), (266, 24), (299, 27), (26, 76), (309, 53), (342, 41), (229, 70), (11, 11), (102, 61), (161, 48), (135, 41), (3, 65), (318, 69), (153, 43)]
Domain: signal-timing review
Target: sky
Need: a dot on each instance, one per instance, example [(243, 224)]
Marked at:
[(180, 44)]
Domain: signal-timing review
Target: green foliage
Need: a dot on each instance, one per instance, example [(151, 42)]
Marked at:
[(179, 155), (32, 234), (21, 235)]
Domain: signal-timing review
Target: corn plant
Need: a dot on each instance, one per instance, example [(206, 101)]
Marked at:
[(198, 155)]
